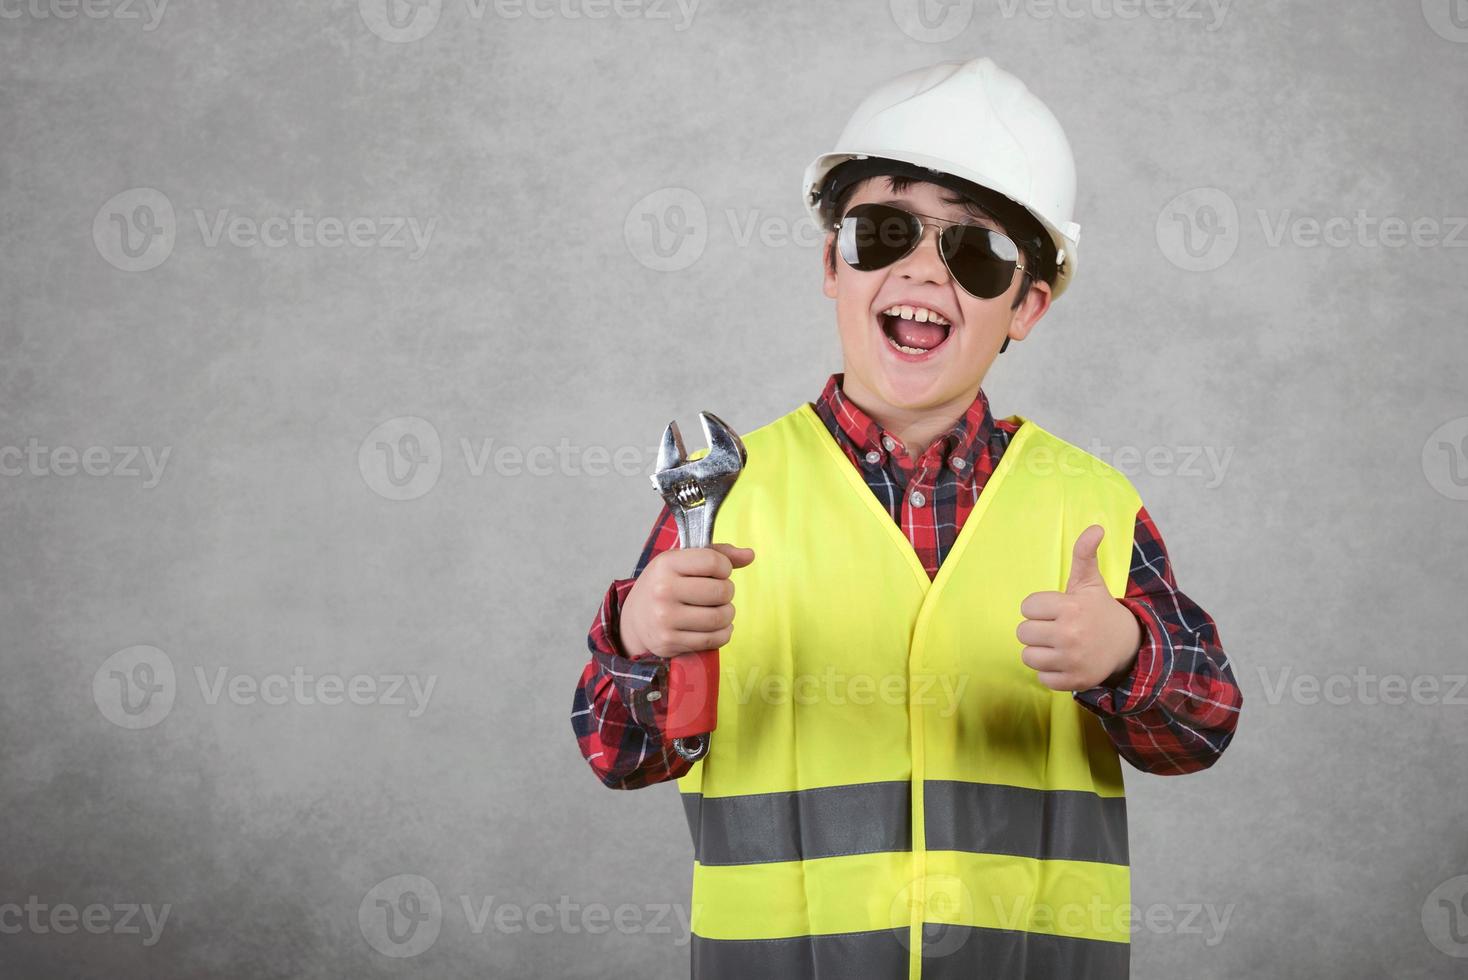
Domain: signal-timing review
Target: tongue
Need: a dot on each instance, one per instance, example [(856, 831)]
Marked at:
[(924, 336)]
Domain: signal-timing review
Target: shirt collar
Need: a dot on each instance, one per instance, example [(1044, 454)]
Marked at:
[(965, 441)]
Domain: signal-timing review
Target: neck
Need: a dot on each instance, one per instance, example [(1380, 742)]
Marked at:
[(917, 427)]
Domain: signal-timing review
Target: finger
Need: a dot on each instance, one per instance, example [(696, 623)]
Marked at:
[(701, 619), (739, 557), (1039, 632), (696, 591), (1042, 658), (704, 562), (1042, 605), (1085, 570), (1055, 680), (690, 642)]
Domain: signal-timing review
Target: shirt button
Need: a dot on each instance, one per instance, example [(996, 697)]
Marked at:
[(888, 444), (917, 499), (654, 695), (958, 463), (874, 457)]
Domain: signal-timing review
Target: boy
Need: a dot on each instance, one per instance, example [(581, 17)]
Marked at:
[(955, 624)]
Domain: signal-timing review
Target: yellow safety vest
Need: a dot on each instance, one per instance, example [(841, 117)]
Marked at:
[(890, 791)]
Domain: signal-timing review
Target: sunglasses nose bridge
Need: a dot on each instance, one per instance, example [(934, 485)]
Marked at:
[(934, 255)]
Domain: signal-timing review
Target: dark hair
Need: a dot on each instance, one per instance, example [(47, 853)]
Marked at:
[(1026, 238)]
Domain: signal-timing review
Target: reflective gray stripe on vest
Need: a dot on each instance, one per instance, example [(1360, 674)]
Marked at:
[(880, 955), (1064, 825), (965, 952), (863, 818)]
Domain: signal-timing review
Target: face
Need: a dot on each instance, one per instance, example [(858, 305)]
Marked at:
[(945, 378)]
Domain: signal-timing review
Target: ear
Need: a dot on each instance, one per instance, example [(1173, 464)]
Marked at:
[(828, 285), (1037, 301)]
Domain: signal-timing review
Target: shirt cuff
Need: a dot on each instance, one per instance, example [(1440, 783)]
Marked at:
[(635, 678), (1136, 690), (642, 684)]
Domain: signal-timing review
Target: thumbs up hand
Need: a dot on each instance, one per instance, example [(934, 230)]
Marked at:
[(1076, 639)]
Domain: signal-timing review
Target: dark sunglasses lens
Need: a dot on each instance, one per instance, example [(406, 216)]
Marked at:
[(873, 236), (982, 260)]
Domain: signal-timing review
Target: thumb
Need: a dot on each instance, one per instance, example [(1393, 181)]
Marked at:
[(1085, 571), (738, 557)]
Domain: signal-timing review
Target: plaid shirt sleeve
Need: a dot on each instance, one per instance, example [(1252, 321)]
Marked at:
[(619, 730), (1175, 711)]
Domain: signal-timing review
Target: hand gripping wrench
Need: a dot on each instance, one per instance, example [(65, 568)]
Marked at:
[(693, 490)]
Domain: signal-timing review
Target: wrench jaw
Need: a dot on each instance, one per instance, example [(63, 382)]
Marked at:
[(670, 450), (694, 489)]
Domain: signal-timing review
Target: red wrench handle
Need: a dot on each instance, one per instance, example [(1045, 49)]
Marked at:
[(693, 693)]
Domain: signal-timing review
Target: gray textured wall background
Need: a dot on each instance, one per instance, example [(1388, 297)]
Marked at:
[(538, 157)]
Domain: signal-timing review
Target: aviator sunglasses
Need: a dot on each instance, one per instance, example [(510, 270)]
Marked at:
[(981, 260)]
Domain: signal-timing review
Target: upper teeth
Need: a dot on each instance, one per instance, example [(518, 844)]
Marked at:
[(919, 313)]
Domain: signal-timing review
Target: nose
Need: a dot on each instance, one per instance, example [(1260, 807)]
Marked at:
[(924, 263)]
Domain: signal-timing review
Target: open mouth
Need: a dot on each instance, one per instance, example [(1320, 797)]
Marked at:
[(914, 332)]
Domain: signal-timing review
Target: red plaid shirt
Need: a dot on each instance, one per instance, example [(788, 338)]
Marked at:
[(1173, 712)]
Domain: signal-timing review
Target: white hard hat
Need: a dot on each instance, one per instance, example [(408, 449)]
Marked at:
[(975, 121)]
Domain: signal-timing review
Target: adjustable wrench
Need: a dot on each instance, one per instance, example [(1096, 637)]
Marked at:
[(693, 490)]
